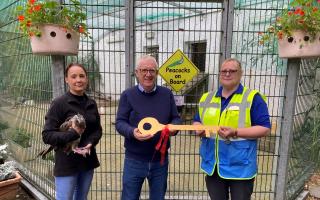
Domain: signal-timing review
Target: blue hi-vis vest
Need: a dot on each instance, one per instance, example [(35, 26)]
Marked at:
[(234, 159)]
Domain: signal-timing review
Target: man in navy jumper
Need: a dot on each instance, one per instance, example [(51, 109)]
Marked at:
[(141, 159)]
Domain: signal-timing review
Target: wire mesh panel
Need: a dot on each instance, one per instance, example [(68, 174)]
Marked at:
[(104, 57), (25, 91), (267, 73), (264, 71), (161, 28), (304, 154)]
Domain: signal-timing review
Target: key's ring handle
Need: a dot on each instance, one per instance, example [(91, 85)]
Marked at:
[(155, 126)]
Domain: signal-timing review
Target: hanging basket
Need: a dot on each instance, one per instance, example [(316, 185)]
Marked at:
[(299, 45), (9, 188), (55, 40)]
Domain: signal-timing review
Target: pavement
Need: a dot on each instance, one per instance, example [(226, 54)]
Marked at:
[(311, 192), (313, 186), (315, 191)]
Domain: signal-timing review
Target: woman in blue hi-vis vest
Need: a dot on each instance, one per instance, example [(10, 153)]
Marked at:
[(229, 158)]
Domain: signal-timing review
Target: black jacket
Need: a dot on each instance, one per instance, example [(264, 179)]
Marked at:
[(61, 108)]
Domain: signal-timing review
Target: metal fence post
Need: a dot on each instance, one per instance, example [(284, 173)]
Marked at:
[(227, 27), (57, 73), (289, 105), (130, 43), (226, 35)]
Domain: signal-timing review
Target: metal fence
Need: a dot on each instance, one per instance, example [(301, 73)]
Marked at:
[(207, 32), (304, 151)]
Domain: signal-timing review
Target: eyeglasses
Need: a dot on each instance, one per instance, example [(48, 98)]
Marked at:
[(230, 72), (145, 71)]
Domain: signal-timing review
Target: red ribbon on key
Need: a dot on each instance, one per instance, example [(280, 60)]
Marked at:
[(162, 143)]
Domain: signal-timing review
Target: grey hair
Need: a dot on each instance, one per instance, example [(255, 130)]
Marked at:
[(232, 60), (146, 57)]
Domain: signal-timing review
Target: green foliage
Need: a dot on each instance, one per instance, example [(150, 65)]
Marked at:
[(309, 136), (51, 12), (315, 145), (50, 156), (302, 15), (3, 125), (21, 137)]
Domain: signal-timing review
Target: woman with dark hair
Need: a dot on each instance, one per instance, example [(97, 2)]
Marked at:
[(73, 171)]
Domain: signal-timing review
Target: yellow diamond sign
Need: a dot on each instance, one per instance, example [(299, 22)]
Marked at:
[(178, 70)]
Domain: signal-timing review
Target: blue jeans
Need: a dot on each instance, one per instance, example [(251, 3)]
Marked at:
[(134, 174), (74, 187)]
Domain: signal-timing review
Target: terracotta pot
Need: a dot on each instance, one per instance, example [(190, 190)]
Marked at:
[(300, 45), (55, 40), (9, 188)]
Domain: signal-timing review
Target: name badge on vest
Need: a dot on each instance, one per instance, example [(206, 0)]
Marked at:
[(234, 108)]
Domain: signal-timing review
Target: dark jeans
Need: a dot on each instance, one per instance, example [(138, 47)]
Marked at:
[(134, 174), (219, 188)]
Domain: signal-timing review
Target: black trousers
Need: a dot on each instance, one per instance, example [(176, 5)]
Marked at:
[(220, 188)]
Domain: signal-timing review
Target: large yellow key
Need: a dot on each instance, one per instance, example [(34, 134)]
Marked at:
[(155, 126)]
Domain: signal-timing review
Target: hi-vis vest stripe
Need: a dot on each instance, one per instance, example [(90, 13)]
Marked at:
[(235, 159)]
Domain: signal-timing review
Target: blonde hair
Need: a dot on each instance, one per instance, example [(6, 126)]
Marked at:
[(232, 60)]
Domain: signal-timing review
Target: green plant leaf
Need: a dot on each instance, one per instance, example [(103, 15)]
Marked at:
[(51, 12)]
